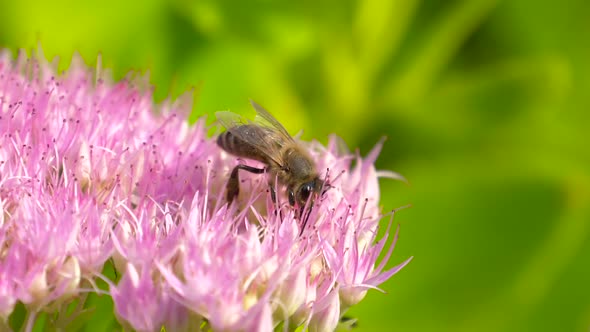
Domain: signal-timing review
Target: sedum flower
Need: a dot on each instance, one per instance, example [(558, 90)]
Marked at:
[(326, 312), (92, 172)]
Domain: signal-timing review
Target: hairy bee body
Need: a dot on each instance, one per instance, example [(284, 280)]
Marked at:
[(269, 143), (231, 142)]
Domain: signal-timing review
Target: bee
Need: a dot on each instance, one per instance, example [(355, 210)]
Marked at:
[(285, 160)]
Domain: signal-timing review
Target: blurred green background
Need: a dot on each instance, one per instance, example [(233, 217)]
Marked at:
[(485, 103)]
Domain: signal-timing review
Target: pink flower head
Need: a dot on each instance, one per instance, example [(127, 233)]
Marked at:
[(91, 171)]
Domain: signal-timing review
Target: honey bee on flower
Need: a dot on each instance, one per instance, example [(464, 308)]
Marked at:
[(285, 160)]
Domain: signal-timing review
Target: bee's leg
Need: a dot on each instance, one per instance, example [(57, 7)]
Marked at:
[(233, 184), (273, 197), (291, 196), (273, 193)]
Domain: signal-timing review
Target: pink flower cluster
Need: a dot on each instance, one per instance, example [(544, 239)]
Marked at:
[(90, 171)]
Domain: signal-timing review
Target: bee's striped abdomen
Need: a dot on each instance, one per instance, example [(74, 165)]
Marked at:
[(227, 141), (233, 144)]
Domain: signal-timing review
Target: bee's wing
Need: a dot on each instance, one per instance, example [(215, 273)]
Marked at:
[(229, 119), (265, 119), (264, 137)]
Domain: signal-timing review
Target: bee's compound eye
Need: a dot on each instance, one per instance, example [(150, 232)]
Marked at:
[(304, 192)]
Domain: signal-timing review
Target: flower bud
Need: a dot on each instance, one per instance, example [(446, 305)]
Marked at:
[(38, 289), (327, 313), (291, 294), (352, 295)]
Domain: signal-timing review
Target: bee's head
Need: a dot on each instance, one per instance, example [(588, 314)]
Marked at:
[(307, 190), (307, 193)]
